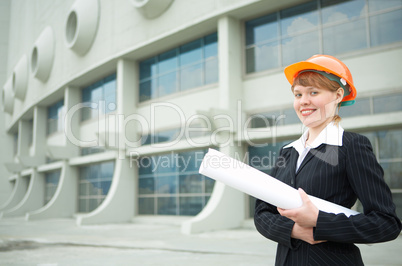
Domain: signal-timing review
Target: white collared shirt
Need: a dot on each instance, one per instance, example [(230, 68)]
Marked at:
[(332, 135)]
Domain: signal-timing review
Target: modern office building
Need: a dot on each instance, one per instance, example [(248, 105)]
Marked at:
[(110, 105)]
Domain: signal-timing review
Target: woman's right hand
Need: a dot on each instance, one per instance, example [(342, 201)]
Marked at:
[(305, 234)]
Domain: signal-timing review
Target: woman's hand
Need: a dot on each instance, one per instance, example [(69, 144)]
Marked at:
[(306, 215), (305, 218), (304, 233)]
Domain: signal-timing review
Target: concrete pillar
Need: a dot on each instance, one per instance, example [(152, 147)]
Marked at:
[(39, 133), (69, 148), (72, 97), (64, 202), (35, 155), (219, 213), (119, 203), (33, 198)]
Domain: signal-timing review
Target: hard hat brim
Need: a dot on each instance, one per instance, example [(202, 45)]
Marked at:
[(293, 70)]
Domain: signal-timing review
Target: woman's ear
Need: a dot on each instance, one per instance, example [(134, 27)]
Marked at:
[(339, 94)]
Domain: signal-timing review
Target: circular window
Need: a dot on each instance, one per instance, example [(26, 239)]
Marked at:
[(34, 60), (71, 28)]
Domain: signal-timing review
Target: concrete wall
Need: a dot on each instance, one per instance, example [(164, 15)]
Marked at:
[(112, 37), (5, 185)]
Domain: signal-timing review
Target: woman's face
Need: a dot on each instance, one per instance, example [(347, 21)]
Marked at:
[(315, 107)]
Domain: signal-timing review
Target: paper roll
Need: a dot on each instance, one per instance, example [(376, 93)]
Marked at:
[(247, 179)]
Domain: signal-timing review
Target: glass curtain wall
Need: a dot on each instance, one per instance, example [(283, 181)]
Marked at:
[(51, 183), (94, 184), (169, 184), (320, 27), (191, 65), (55, 117), (99, 98)]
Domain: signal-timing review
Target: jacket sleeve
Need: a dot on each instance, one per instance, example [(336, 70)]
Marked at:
[(271, 224), (379, 222)]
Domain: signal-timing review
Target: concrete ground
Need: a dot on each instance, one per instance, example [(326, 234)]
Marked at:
[(147, 241)]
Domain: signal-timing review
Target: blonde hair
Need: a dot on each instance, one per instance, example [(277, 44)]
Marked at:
[(316, 80)]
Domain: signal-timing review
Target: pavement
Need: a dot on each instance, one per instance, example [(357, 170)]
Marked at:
[(147, 241)]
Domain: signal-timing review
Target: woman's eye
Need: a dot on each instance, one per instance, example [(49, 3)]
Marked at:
[(297, 95), (314, 92)]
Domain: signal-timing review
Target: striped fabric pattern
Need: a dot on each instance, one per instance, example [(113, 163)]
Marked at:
[(338, 174)]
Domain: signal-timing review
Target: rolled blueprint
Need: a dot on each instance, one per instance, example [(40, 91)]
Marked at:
[(249, 180)]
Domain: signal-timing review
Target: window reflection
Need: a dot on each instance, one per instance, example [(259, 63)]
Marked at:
[(55, 117), (320, 26), (173, 182), (299, 19), (300, 47), (99, 98), (335, 37), (341, 11), (51, 183), (189, 66), (190, 53), (94, 184), (386, 28), (387, 103), (376, 5)]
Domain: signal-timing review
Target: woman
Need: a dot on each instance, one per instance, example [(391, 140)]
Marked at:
[(332, 164)]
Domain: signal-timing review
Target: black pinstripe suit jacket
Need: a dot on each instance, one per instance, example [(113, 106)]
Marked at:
[(338, 174)]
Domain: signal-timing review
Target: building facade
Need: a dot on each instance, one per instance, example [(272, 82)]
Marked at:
[(110, 106)]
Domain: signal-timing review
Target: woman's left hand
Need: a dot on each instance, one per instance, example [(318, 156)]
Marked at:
[(306, 215)]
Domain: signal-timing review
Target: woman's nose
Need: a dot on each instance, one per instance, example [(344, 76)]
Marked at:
[(305, 99)]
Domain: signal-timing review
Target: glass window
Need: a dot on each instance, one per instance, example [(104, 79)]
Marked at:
[(191, 77), (167, 61), (161, 136), (51, 183), (265, 119), (55, 117), (263, 29), (15, 143), (341, 11), (262, 43), (146, 206), (170, 184), (386, 28), (263, 158), (191, 53), (189, 66), (388, 103), (354, 32), (299, 19), (263, 56), (397, 198), (377, 5), (290, 117), (387, 145), (300, 47), (320, 27), (361, 107), (191, 205), (94, 184), (92, 150), (211, 46), (390, 144), (99, 98)]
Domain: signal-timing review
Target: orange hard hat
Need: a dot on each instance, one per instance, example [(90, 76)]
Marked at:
[(329, 65)]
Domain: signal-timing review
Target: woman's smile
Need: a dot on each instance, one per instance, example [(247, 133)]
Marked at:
[(307, 112)]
